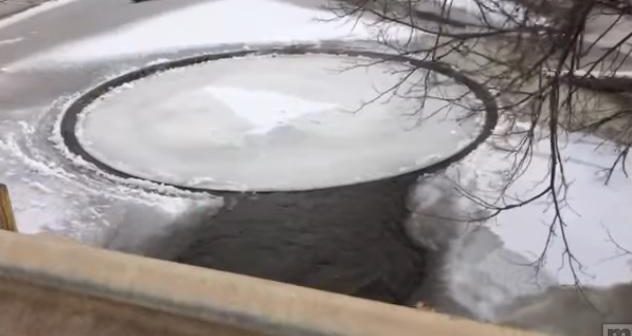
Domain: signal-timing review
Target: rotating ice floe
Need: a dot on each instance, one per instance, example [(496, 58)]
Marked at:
[(313, 148)]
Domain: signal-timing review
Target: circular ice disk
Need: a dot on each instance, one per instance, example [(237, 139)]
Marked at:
[(279, 122)]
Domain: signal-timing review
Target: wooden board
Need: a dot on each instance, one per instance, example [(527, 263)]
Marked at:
[(7, 219)]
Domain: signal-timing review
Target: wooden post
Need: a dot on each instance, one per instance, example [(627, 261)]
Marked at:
[(7, 219)]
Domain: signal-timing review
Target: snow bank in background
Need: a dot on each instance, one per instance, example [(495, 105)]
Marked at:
[(277, 123), (44, 7), (595, 211), (493, 10), (478, 271), (11, 41), (480, 13), (211, 24), (490, 263)]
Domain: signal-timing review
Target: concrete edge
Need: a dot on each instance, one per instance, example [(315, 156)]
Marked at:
[(213, 297)]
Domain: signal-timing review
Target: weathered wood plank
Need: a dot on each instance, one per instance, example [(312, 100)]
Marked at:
[(7, 219)]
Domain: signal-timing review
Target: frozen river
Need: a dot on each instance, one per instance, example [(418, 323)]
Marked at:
[(46, 59)]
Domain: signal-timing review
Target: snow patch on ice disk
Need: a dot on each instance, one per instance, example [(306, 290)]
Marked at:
[(277, 123), (273, 109)]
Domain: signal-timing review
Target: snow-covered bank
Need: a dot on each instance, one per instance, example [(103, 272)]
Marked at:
[(214, 23), (31, 12), (52, 194), (490, 263), (477, 271), (594, 212), (10, 41)]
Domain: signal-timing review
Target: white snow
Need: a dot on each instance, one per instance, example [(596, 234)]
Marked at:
[(481, 13), (214, 23), (489, 263), (594, 210), (594, 73), (10, 41), (50, 196), (275, 123), (29, 13)]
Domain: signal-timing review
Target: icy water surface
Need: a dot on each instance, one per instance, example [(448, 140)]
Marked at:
[(279, 123)]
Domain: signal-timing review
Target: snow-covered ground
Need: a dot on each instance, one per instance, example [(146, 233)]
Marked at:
[(498, 257), (33, 11), (89, 207), (50, 195), (216, 23), (595, 213)]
